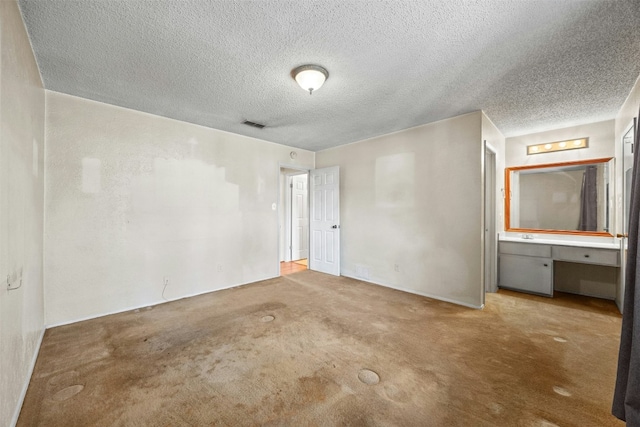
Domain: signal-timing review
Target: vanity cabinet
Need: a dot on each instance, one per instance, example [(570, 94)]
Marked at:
[(528, 267), (525, 267)]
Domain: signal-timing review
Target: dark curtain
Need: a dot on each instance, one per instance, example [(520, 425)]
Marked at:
[(589, 200), (626, 399)]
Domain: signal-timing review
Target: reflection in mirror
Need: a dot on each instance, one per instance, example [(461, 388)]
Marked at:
[(565, 198), (627, 167)]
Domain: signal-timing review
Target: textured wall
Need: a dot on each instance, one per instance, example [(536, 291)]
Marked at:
[(21, 210), (134, 198), (414, 199), (628, 111)]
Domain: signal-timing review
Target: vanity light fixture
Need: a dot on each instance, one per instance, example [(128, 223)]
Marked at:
[(310, 77), (549, 147)]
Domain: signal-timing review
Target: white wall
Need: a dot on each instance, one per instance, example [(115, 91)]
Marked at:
[(21, 211), (132, 198), (414, 199), (601, 144), (627, 112)]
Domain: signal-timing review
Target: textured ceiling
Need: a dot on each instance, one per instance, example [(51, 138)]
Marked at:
[(530, 65)]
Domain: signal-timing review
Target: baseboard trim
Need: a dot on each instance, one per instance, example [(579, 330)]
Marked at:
[(25, 386), (150, 304), (423, 294)]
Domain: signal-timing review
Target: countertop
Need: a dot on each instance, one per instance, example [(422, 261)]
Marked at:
[(607, 244)]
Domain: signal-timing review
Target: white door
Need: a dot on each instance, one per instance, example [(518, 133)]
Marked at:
[(325, 220), (299, 218)]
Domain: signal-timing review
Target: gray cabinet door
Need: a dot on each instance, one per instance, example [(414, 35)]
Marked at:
[(526, 273)]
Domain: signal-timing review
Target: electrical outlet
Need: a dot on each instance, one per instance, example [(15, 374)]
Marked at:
[(219, 268), (396, 267)]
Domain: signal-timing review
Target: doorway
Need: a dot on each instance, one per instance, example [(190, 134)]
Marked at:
[(294, 220), (318, 237), (490, 234), (628, 139)]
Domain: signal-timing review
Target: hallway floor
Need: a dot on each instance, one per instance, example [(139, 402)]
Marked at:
[(292, 267)]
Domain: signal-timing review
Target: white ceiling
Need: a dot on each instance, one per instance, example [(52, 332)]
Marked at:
[(530, 65)]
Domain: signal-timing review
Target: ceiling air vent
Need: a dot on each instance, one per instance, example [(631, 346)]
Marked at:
[(253, 124)]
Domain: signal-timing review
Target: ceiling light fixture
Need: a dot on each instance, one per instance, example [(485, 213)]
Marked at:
[(558, 146), (310, 77)]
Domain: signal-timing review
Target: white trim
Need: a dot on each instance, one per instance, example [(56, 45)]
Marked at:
[(490, 147), (423, 294), (493, 286), (152, 304), (25, 386)]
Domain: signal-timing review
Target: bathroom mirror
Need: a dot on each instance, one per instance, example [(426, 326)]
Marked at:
[(560, 198)]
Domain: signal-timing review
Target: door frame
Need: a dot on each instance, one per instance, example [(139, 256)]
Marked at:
[(289, 215), (624, 217), (492, 250), (280, 206)]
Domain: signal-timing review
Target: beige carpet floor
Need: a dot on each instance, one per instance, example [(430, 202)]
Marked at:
[(290, 351)]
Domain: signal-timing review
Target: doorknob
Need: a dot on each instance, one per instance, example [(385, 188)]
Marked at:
[(335, 226)]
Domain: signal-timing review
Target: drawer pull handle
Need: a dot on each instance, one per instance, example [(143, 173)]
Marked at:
[(586, 256)]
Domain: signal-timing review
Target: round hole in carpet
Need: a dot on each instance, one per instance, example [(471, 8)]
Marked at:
[(67, 392), (267, 318), (369, 377)]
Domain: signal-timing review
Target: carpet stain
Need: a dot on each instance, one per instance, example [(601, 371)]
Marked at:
[(396, 393), (266, 319), (545, 423), (210, 360), (68, 392)]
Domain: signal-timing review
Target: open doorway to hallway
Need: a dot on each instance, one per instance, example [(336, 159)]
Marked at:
[(294, 220)]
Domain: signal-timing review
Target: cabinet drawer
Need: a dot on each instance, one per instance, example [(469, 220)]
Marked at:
[(587, 255), (526, 273), (527, 249)]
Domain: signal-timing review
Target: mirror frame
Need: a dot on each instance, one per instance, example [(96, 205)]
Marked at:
[(507, 199)]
